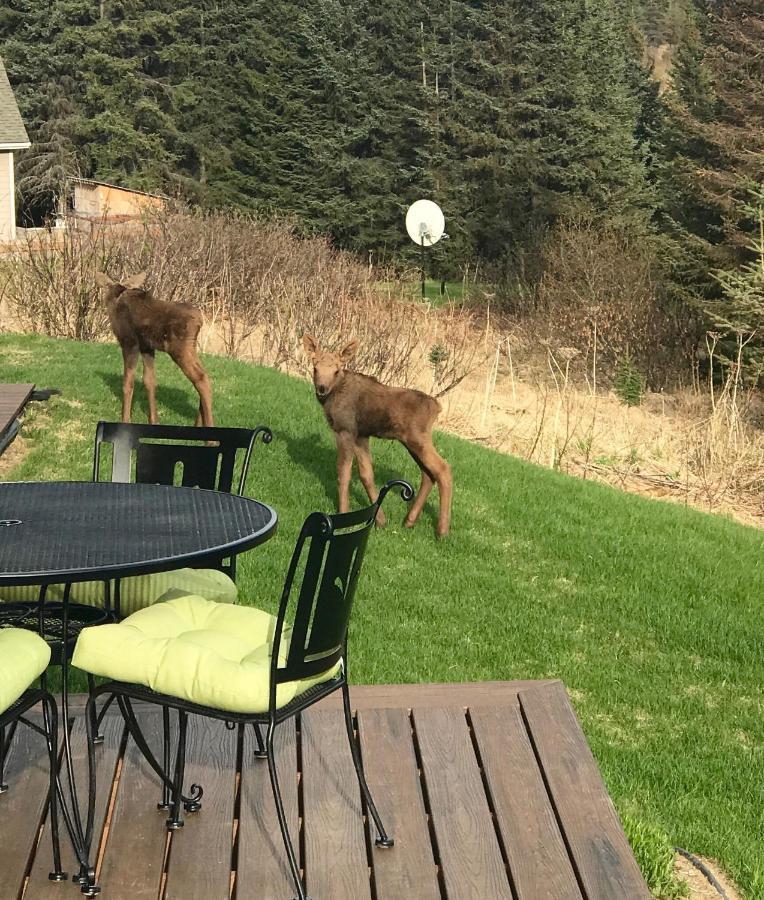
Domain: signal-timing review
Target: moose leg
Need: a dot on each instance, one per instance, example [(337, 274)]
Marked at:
[(189, 364), (434, 468), (130, 359), (424, 491), (421, 498), (150, 383), (345, 444), (366, 472)]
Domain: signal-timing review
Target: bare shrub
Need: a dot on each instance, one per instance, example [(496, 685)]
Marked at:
[(258, 285), (49, 285), (599, 293)]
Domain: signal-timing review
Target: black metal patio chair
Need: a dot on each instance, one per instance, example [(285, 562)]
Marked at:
[(184, 455), (295, 660), (189, 456), (24, 656)]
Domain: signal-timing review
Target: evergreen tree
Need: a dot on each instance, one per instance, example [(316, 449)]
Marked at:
[(740, 311), (508, 114), (714, 150)]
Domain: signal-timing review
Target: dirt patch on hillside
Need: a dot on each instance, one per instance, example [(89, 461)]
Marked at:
[(672, 447), (12, 456), (699, 886)]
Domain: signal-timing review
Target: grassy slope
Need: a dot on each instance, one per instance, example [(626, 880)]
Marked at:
[(651, 614)]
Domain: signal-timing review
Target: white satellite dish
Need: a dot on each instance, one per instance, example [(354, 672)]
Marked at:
[(425, 223)]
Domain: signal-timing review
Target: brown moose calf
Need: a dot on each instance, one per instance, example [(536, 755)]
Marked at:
[(142, 324), (358, 407)]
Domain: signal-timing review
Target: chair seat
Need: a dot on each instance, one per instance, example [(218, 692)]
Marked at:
[(139, 592), (212, 654), (24, 656)]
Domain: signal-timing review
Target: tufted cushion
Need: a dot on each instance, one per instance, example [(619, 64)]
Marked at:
[(139, 592), (214, 654), (24, 656)]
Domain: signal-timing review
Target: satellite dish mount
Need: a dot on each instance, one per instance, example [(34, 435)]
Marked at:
[(425, 225)]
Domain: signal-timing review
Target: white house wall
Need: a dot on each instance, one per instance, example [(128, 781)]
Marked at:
[(7, 198)]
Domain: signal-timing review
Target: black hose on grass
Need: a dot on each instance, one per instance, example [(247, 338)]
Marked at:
[(701, 867)]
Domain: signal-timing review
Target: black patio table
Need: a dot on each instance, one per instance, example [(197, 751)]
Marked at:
[(72, 532)]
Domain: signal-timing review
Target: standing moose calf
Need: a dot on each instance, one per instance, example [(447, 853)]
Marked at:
[(142, 325), (358, 407)]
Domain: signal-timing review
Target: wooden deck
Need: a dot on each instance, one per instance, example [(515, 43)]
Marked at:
[(13, 399), (490, 790)]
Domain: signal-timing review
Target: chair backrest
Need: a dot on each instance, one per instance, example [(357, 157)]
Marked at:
[(206, 456), (333, 548)]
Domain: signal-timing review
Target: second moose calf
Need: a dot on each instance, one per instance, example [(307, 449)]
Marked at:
[(358, 407)]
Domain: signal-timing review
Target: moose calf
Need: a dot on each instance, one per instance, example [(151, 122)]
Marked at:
[(358, 407), (142, 324)]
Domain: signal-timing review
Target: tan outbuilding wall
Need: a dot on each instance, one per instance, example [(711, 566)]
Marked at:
[(97, 200)]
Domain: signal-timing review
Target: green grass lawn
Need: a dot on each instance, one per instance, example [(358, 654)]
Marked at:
[(453, 291), (652, 614)]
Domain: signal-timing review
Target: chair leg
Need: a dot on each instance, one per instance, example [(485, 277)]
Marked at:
[(3, 751), (49, 705), (301, 895), (261, 752), (165, 804), (191, 803), (384, 840), (175, 821), (97, 738)]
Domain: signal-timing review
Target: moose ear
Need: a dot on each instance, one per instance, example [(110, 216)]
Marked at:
[(136, 282), (310, 343), (349, 351), (103, 280)]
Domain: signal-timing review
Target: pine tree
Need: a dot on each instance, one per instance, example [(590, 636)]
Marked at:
[(714, 137), (740, 311)]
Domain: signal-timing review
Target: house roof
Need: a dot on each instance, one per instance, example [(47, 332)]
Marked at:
[(13, 135)]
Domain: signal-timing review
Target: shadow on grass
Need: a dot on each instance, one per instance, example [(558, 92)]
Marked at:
[(172, 398), (311, 454)]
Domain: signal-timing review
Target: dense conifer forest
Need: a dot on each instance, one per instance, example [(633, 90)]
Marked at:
[(519, 118)]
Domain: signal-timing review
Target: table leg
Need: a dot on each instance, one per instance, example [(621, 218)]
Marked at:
[(81, 838)]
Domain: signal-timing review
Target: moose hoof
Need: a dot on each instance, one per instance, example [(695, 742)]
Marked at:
[(380, 521), (409, 523)]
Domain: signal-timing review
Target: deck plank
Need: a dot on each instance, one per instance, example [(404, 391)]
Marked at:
[(134, 858), (396, 696), (27, 774), (390, 765), (263, 870), (107, 756), (605, 864), (538, 860), (200, 852), (473, 868), (335, 844), (13, 399)]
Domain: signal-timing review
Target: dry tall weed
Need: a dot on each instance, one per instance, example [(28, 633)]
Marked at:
[(723, 451)]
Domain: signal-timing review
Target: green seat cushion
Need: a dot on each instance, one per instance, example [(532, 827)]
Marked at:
[(24, 656), (213, 654), (139, 592)]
